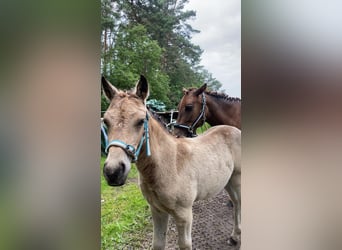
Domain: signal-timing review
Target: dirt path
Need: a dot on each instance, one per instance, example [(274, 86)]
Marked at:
[(212, 225)]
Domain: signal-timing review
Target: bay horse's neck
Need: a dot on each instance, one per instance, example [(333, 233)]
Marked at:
[(220, 111)]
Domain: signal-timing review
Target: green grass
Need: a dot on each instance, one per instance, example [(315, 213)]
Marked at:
[(125, 215)]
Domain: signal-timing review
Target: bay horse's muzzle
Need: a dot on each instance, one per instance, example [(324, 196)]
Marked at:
[(115, 175)]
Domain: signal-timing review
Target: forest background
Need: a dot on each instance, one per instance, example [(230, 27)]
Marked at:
[(153, 38)]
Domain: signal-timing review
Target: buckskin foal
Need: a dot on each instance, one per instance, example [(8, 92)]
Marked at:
[(174, 172)]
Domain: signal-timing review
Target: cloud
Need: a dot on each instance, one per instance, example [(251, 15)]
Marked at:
[(220, 24)]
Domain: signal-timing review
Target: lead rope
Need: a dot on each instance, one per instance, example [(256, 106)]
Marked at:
[(202, 114)]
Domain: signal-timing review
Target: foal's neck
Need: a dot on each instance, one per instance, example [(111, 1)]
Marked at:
[(162, 146)]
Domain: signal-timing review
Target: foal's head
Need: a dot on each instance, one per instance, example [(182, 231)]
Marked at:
[(124, 118), (189, 109)]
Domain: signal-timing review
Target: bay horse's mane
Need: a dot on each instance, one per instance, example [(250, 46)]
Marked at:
[(220, 95), (158, 118)]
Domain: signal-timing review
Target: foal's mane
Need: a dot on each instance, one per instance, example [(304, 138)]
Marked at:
[(153, 114), (220, 95), (157, 117)]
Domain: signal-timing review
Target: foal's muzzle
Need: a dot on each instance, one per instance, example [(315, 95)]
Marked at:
[(116, 175)]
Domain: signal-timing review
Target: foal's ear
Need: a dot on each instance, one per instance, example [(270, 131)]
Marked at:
[(201, 89), (184, 91), (108, 89), (141, 89)]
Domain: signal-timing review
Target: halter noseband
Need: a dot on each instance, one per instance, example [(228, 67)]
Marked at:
[(129, 149), (201, 115)]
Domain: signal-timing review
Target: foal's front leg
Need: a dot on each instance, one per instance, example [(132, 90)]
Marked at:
[(160, 221), (183, 217)]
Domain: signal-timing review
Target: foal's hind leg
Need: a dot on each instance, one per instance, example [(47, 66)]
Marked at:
[(183, 218), (234, 189), (160, 221)]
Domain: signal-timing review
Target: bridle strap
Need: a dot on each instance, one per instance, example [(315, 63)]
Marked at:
[(202, 114), (129, 149)]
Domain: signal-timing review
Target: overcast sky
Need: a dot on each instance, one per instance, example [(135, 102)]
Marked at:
[(220, 24)]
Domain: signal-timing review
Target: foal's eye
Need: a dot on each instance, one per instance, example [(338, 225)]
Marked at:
[(140, 123), (106, 123), (188, 107)]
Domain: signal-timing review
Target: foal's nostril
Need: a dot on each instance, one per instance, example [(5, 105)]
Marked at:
[(122, 167), (107, 170)]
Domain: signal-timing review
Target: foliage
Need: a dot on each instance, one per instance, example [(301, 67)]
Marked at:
[(104, 103), (108, 15), (153, 38), (165, 21), (134, 53), (207, 77)]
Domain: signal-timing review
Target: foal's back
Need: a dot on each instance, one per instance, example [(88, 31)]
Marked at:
[(214, 156)]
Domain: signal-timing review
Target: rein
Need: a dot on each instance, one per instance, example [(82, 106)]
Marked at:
[(199, 117), (130, 150)]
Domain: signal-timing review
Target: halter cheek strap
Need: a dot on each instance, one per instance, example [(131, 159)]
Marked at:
[(129, 149)]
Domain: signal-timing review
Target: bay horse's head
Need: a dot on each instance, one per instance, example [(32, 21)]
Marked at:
[(191, 112), (126, 120)]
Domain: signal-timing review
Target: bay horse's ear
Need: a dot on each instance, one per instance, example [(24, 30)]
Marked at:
[(184, 91), (141, 89), (108, 89), (201, 89)]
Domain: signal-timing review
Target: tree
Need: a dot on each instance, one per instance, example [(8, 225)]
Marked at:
[(165, 22), (134, 53), (153, 38), (109, 24), (207, 77)]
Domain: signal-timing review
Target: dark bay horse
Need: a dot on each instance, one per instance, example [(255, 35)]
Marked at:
[(198, 106), (173, 172)]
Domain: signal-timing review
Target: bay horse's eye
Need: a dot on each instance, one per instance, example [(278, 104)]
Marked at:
[(188, 108)]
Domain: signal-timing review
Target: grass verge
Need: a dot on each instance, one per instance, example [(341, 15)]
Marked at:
[(125, 215)]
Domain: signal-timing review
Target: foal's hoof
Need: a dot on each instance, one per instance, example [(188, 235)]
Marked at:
[(232, 241)]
